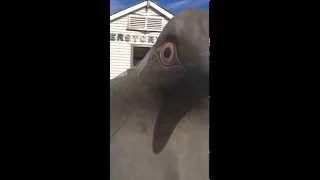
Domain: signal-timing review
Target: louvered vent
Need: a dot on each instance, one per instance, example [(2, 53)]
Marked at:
[(145, 23), (137, 22), (154, 24)]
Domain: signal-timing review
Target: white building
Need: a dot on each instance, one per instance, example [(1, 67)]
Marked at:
[(132, 32)]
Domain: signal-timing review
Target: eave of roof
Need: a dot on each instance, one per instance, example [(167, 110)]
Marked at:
[(139, 6)]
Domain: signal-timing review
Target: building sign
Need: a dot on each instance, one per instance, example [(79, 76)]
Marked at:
[(132, 38)]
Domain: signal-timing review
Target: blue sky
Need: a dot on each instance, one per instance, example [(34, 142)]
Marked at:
[(173, 6)]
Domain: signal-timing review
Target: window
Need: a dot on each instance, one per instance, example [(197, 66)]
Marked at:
[(138, 54)]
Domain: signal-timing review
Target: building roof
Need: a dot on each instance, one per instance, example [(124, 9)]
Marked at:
[(131, 9)]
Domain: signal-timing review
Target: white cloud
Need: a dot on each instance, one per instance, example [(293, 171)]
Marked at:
[(178, 4)]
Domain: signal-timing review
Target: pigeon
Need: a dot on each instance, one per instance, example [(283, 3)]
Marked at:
[(159, 109)]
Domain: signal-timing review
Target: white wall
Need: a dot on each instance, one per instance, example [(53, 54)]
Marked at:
[(120, 51)]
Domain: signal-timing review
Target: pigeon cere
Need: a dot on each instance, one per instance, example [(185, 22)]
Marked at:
[(159, 109)]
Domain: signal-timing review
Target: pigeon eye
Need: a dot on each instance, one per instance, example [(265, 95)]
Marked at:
[(167, 51)]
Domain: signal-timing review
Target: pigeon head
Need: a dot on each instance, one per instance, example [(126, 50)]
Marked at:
[(181, 53), (177, 66)]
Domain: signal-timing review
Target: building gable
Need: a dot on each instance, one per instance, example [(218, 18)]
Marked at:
[(128, 44), (160, 11)]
